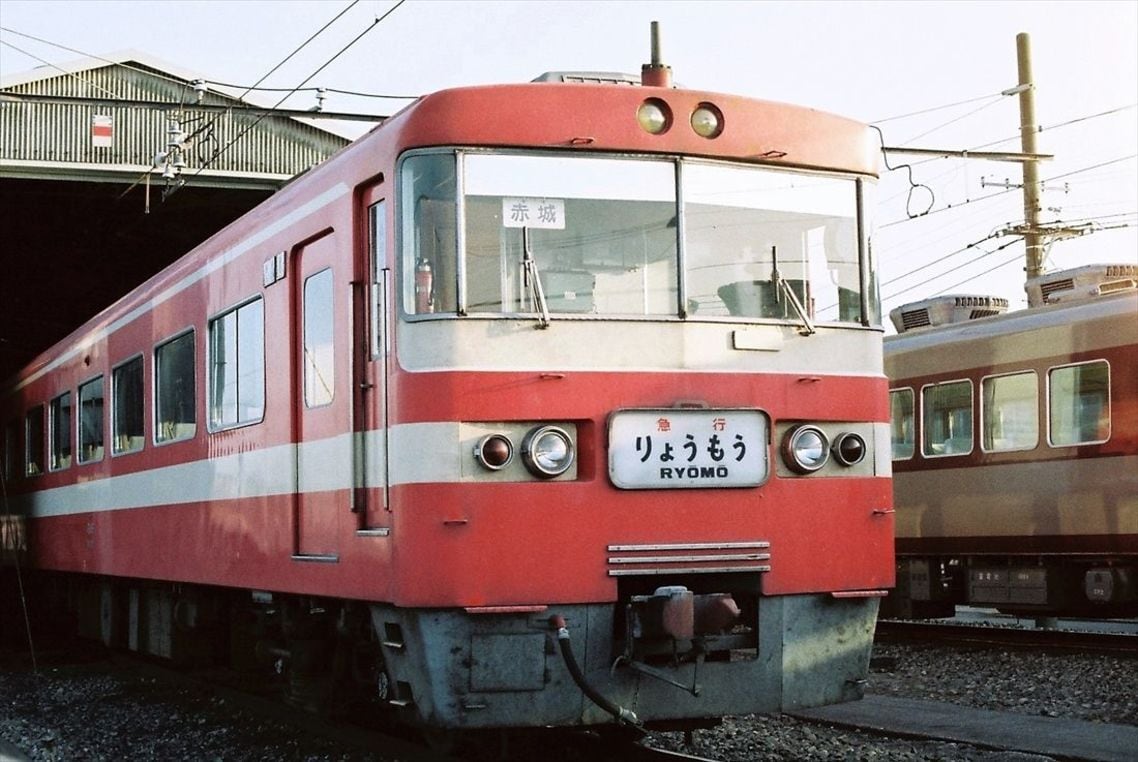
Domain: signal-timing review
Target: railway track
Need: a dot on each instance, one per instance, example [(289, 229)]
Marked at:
[(951, 633), (250, 708)]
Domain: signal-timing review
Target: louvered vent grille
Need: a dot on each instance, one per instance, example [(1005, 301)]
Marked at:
[(1054, 286), (915, 319)]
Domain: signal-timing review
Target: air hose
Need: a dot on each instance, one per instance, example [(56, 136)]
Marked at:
[(622, 715)]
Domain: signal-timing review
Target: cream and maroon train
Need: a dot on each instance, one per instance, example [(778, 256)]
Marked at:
[(525, 364), (1015, 449)]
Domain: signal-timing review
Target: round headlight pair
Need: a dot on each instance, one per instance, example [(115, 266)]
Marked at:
[(547, 451), (655, 117), (806, 449)]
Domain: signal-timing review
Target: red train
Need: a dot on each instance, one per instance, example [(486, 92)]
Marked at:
[(1015, 446), (567, 365)]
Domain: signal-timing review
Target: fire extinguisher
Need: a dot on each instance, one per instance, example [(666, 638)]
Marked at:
[(424, 287)]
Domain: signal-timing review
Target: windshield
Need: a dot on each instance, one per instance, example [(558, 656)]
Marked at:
[(572, 236)]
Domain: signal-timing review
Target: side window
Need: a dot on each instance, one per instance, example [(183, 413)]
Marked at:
[(174, 415), (91, 421), (319, 358), (430, 241), (237, 366), (946, 419), (901, 427), (59, 416), (1079, 403), (126, 412), (377, 222), (1008, 412), (33, 441)]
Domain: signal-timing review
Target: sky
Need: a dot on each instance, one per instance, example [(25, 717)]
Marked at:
[(929, 74)]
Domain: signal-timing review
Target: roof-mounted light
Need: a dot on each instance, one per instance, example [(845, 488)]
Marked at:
[(707, 121), (654, 116)]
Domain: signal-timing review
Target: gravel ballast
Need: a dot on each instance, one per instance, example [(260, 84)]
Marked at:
[(92, 712)]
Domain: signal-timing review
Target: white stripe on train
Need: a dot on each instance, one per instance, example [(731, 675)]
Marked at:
[(426, 453)]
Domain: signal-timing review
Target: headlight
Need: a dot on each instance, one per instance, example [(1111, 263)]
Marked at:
[(494, 451), (848, 449), (654, 116), (707, 121), (805, 449), (547, 451)]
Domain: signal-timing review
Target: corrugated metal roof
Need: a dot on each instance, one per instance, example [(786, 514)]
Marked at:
[(56, 138)]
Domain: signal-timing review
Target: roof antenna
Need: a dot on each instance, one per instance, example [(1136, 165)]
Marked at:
[(656, 74)]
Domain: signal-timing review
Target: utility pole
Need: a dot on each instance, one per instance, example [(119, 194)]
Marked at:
[(1033, 239)]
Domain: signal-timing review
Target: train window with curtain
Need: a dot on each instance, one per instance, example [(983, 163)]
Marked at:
[(946, 419), (127, 411), (319, 348), (237, 366), (1009, 412), (174, 414), (1079, 403), (902, 424), (33, 441), (59, 418), (91, 421)]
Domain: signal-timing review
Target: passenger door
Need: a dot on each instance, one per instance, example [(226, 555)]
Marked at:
[(322, 401), (374, 310)]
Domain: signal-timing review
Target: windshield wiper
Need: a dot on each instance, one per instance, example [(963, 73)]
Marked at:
[(532, 279), (782, 288)]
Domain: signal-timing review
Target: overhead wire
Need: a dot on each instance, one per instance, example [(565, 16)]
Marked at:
[(71, 74), (937, 108), (983, 254), (990, 270), (326, 64), (1041, 130), (310, 89), (207, 127), (952, 121), (1009, 190), (974, 244), (299, 48), (939, 259), (148, 72)]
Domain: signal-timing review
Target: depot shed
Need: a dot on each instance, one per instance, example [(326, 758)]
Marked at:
[(113, 167)]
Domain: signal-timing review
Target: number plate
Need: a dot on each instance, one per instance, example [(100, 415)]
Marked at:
[(674, 448)]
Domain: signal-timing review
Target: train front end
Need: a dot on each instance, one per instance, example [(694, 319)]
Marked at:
[(636, 460)]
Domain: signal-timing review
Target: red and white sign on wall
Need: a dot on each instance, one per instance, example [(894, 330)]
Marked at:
[(102, 131)]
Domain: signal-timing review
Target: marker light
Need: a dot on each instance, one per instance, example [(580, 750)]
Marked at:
[(654, 116), (848, 449), (494, 451), (547, 451), (707, 121), (805, 449)]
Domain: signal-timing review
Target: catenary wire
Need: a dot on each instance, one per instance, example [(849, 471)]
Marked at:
[(209, 125), (325, 65), (71, 74), (936, 108), (982, 255), (148, 72)]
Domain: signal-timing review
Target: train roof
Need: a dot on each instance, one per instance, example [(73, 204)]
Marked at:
[(587, 116), (1061, 315)]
